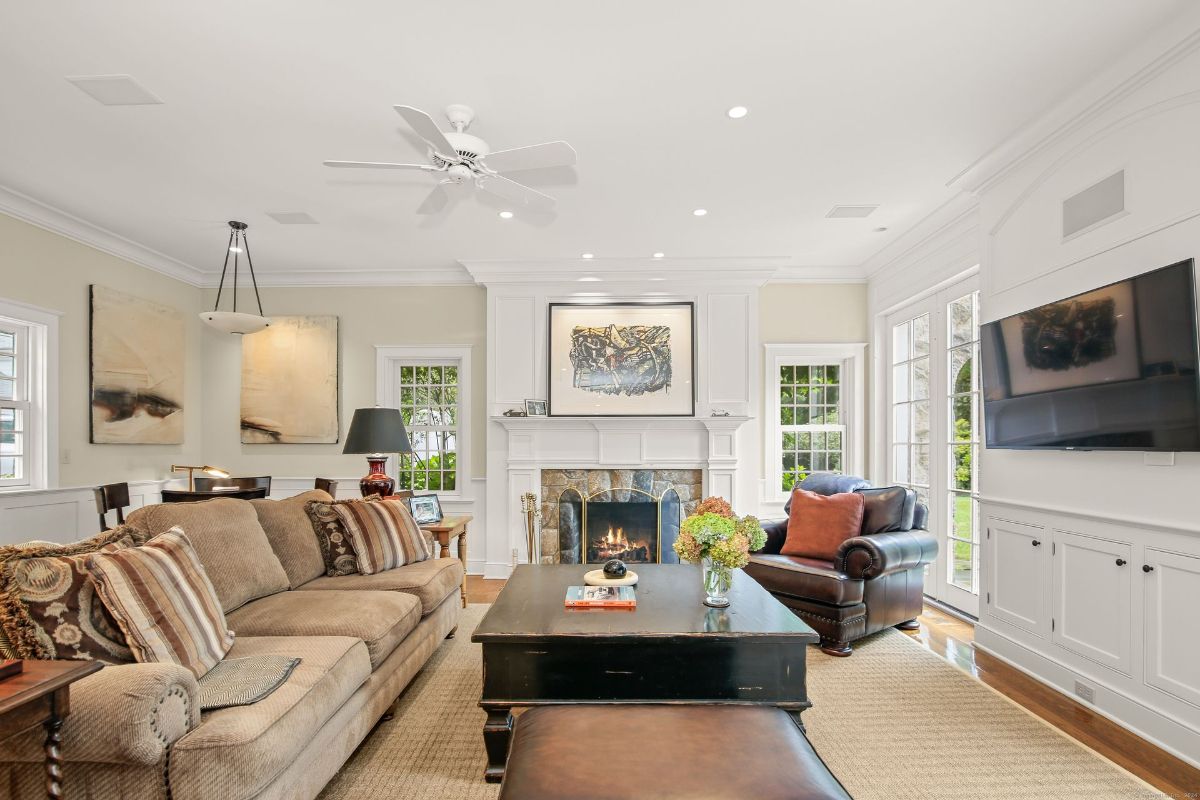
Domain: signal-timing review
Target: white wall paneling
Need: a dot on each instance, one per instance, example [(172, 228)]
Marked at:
[(62, 515)]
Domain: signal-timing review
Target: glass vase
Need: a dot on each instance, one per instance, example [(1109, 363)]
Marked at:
[(717, 580)]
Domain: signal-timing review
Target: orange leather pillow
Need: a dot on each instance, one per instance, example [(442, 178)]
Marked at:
[(818, 523)]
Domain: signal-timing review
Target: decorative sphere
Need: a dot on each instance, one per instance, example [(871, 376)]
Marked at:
[(615, 569)]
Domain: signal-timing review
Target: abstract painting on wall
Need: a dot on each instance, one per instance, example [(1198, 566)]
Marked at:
[(621, 359), (138, 353), (290, 382)]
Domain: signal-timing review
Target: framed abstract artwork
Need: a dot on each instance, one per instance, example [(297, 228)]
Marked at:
[(622, 360), (290, 382), (138, 353)]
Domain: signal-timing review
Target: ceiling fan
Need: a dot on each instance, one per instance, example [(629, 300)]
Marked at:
[(463, 159)]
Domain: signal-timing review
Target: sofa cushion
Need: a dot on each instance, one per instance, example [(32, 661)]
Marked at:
[(236, 752), (430, 581), (290, 532), (887, 509), (383, 535), (164, 602), (49, 607), (809, 578), (335, 545), (818, 524), (381, 619), (230, 542)]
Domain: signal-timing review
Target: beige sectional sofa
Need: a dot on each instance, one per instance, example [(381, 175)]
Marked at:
[(135, 730)]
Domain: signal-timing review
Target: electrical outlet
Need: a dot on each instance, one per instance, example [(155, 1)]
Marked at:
[(515, 556), (66, 456), (1085, 692)]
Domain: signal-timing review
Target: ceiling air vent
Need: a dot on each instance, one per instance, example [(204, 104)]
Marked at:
[(114, 90), (1097, 204), (292, 217), (850, 212)]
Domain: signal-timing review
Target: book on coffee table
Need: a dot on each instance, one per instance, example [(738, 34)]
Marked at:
[(601, 597)]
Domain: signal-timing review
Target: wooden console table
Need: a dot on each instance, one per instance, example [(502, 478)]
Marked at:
[(444, 531), (40, 695)]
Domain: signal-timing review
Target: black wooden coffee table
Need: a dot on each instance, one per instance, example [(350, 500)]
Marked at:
[(671, 649)]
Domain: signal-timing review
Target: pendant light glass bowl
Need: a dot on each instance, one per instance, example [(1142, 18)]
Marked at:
[(236, 321)]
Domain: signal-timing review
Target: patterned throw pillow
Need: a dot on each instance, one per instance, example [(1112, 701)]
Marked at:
[(383, 535), (331, 535), (164, 602), (48, 603)]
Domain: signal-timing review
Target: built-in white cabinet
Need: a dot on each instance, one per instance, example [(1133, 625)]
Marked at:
[(1092, 606), (1018, 585), (1171, 588)]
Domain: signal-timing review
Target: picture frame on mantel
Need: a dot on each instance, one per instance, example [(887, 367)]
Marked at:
[(622, 359)]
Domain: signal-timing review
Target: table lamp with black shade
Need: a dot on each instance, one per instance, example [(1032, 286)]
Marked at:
[(377, 433)]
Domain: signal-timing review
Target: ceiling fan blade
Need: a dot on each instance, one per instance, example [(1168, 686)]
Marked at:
[(516, 192), (378, 165), (442, 194), (428, 130), (535, 156)]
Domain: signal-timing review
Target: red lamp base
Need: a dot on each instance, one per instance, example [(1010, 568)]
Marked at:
[(378, 481)]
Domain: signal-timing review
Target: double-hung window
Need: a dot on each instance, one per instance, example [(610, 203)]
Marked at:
[(16, 417), (28, 401), (814, 409)]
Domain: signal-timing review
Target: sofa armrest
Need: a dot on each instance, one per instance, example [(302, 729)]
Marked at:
[(866, 557), (776, 534), (123, 714)]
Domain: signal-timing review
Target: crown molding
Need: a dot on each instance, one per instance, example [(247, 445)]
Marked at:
[(1163, 50), (728, 271), (35, 212), (818, 274), (451, 275)]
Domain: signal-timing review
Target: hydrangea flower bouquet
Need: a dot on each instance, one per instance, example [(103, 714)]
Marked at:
[(720, 541)]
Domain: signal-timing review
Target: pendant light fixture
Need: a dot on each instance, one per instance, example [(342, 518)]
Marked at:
[(235, 321)]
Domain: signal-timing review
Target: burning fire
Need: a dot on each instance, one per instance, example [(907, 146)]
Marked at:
[(615, 544)]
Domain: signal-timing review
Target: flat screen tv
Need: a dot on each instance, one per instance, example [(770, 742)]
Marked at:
[(1110, 369)]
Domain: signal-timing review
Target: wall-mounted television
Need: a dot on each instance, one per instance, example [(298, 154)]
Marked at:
[(1109, 369)]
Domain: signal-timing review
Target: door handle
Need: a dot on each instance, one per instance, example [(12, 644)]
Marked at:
[(1121, 562), (1036, 543), (1147, 568)]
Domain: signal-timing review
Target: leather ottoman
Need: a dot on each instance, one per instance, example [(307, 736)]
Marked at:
[(684, 752)]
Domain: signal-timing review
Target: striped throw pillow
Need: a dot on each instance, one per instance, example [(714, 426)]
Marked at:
[(383, 535), (164, 602)]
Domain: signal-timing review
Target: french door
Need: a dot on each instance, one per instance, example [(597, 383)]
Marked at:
[(933, 430)]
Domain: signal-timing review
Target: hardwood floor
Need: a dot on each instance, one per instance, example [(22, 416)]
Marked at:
[(954, 640)]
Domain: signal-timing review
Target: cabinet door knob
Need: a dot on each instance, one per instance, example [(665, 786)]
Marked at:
[(1036, 543), (1147, 568), (1121, 562)]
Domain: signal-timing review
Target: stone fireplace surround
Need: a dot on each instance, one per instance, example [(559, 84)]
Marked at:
[(687, 482)]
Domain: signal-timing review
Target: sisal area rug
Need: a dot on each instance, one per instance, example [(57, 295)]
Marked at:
[(892, 721)]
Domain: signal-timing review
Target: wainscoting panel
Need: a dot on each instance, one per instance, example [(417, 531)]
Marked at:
[(62, 515)]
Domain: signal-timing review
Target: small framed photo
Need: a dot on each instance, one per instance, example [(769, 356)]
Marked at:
[(535, 408), (425, 508)]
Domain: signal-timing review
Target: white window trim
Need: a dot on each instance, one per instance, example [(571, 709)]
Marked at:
[(388, 361), (852, 357), (41, 325)]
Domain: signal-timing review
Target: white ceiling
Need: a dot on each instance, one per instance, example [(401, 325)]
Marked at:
[(851, 102)]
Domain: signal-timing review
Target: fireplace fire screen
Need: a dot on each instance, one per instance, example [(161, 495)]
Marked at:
[(630, 524)]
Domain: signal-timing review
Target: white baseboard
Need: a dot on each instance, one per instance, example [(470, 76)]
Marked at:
[(493, 569), (475, 566), (1111, 703)]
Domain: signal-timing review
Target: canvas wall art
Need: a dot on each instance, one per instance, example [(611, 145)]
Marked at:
[(290, 382), (622, 359), (138, 356)]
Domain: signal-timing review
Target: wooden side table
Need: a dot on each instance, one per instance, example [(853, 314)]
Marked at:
[(40, 695), (446, 530)]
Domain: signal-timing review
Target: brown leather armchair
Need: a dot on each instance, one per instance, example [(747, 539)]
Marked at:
[(876, 580)]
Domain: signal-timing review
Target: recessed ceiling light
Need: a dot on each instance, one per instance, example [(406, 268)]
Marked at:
[(699, 212), (588, 255), (657, 279), (737, 112), (660, 255), (590, 278), (880, 230), (506, 215), (114, 90)]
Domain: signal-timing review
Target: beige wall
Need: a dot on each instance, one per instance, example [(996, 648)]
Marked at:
[(400, 315), (50, 271), (791, 313)]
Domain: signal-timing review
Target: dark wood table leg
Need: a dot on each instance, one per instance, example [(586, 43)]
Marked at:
[(462, 556), (497, 731), (53, 750)]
